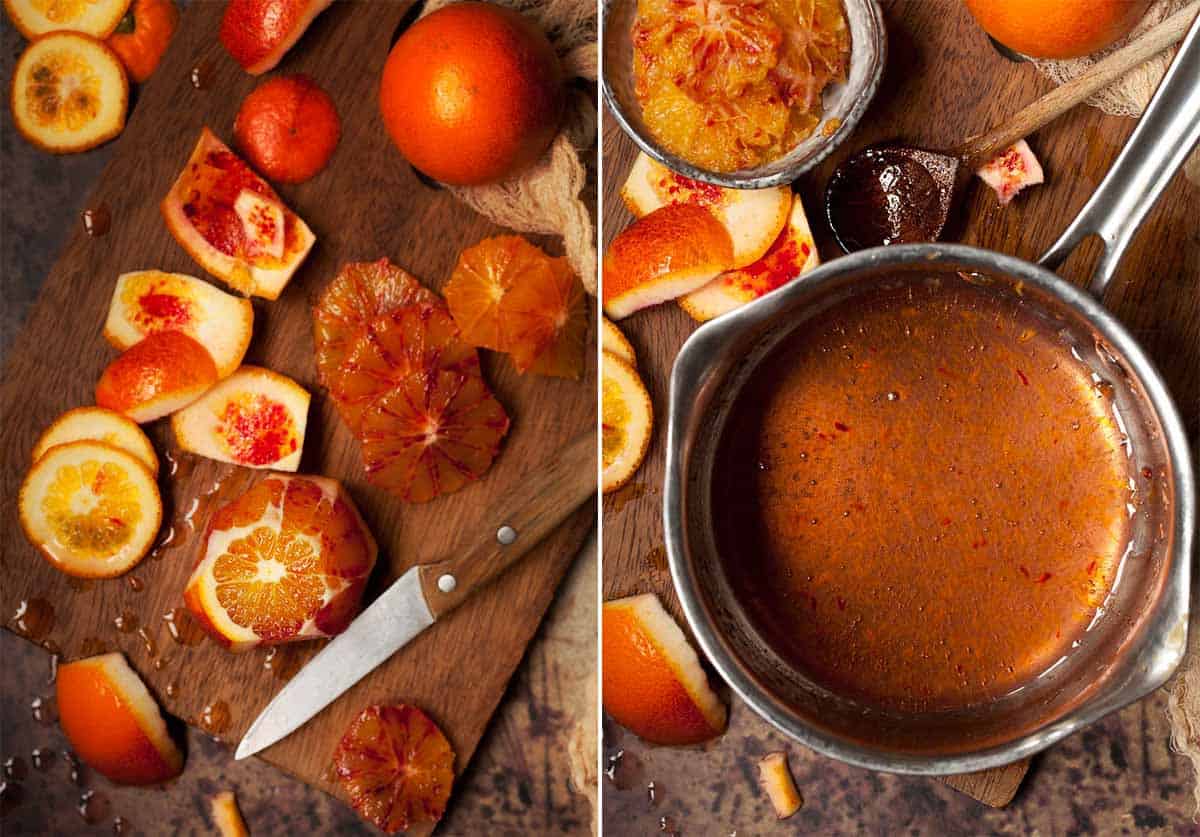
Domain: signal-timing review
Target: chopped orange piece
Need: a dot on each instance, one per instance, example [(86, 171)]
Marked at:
[(226, 816), (777, 783)]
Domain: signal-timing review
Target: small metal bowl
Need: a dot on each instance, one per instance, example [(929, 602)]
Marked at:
[(846, 101)]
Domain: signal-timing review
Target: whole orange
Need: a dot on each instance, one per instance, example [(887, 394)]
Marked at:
[(1057, 29), (472, 93), (288, 127)]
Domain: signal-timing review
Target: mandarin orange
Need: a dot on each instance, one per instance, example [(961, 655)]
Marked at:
[(288, 128), (472, 93)]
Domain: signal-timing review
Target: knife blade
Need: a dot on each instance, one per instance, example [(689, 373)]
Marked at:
[(526, 514), (381, 630)]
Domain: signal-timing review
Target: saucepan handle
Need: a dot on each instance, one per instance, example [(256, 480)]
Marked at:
[(1162, 140)]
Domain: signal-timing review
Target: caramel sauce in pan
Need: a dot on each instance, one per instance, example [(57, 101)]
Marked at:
[(921, 499)]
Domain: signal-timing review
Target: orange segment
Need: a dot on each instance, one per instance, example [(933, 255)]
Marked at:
[(653, 683), (285, 561), (69, 93), (396, 766), (91, 509), (113, 722)]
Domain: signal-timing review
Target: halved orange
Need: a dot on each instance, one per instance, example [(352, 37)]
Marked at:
[(92, 509), (626, 422), (653, 682), (97, 18), (113, 723), (100, 425), (359, 294), (396, 766), (286, 561), (69, 93)]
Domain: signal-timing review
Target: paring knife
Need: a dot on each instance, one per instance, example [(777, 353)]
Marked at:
[(540, 501)]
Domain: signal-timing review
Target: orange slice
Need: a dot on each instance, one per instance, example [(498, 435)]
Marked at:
[(113, 723), (69, 93), (226, 816), (653, 683), (792, 254), (754, 218), (613, 341), (149, 301), (285, 561), (101, 425), (360, 294), (233, 224), (254, 418), (91, 509), (481, 281), (553, 311), (396, 766), (626, 422), (154, 378), (97, 18), (668, 253)]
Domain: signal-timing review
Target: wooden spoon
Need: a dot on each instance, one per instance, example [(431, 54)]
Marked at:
[(895, 194)]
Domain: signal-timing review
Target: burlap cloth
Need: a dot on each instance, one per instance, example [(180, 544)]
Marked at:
[(547, 198), (1129, 97)]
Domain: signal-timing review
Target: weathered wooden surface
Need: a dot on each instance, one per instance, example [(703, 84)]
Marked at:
[(366, 205), (943, 82)]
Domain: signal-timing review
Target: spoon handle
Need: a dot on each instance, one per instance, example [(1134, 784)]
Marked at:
[(977, 151)]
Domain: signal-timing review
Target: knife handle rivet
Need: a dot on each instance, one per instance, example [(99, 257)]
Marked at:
[(447, 583), (506, 534)]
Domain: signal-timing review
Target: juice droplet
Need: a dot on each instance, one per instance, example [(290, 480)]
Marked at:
[(183, 626), (93, 807), (200, 75), (54, 658), (40, 709), (148, 642), (652, 792), (14, 768), (215, 718), (161, 662), (10, 796), (120, 825), (34, 618), (136, 584), (41, 758), (97, 220), (72, 765), (623, 770), (172, 690), (127, 622), (667, 825), (52, 647)]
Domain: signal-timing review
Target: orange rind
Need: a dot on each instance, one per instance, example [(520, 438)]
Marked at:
[(100, 425), (777, 783), (626, 422), (154, 378)]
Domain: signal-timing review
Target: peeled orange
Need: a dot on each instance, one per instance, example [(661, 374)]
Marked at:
[(653, 682), (113, 723), (69, 93), (92, 509)]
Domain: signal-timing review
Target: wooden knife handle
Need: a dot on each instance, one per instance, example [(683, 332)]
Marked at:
[(542, 499)]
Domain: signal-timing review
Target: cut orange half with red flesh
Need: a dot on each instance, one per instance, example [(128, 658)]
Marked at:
[(233, 224), (361, 293), (113, 723), (149, 301), (396, 766), (91, 509), (668, 253), (653, 682), (286, 561), (69, 93), (254, 418), (792, 254), (754, 218)]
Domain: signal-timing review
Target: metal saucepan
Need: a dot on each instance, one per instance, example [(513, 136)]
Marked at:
[(1140, 639)]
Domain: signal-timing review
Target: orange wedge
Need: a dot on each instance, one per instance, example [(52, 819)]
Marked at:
[(626, 422), (614, 341), (91, 509), (69, 93), (113, 722), (653, 683), (101, 425), (668, 253)]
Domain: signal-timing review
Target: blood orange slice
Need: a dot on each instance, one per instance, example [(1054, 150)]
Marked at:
[(433, 433), (396, 766), (285, 561), (360, 294), (231, 221)]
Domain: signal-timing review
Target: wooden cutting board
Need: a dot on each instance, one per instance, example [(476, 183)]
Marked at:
[(942, 81), (366, 205)]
